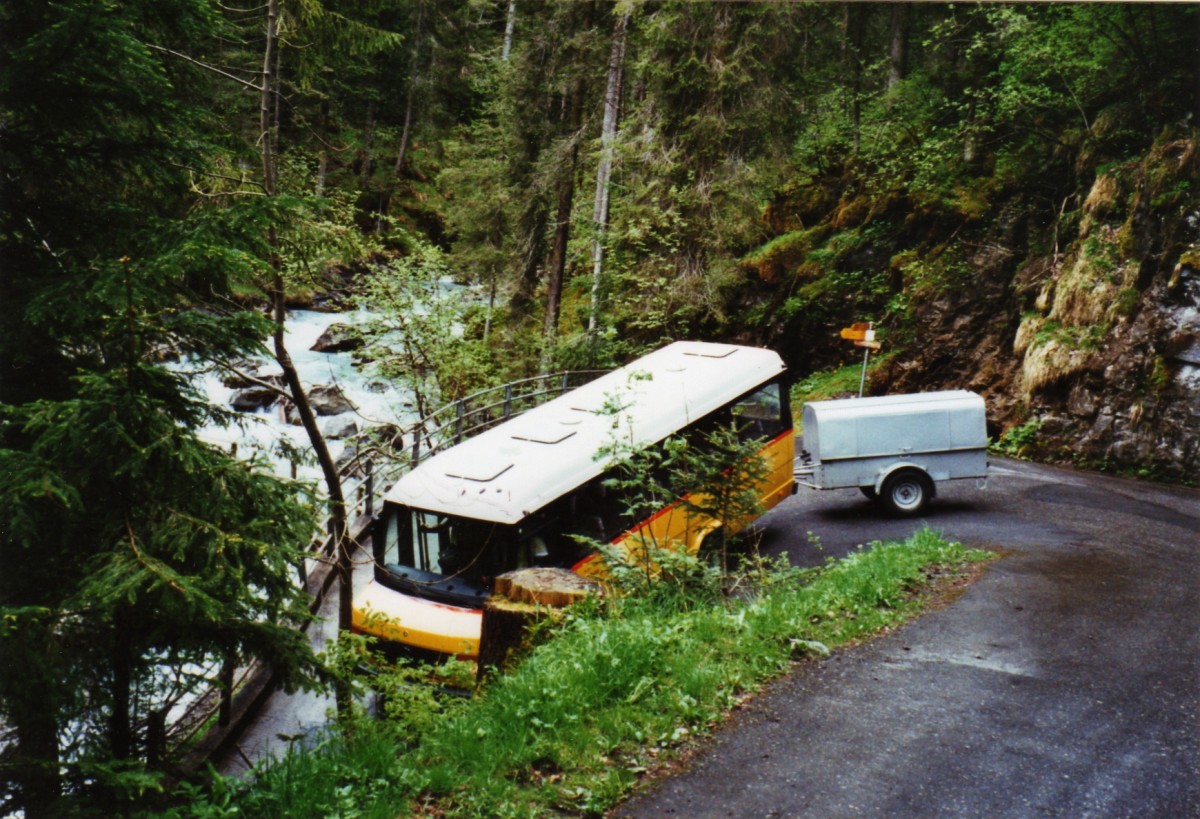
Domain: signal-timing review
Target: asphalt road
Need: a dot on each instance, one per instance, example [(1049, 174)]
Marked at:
[(1065, 682)]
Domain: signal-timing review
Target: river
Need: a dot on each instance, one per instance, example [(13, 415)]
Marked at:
[(266, 431)]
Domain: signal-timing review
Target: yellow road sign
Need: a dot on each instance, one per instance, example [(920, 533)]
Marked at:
[(860, 331)]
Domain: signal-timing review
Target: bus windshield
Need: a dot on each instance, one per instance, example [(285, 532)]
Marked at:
[(454, 559), (437, 556)]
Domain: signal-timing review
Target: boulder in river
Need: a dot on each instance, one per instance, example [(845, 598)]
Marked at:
[(339, 426), (324, 400), (338, 338), (329, 400), (253, 399)]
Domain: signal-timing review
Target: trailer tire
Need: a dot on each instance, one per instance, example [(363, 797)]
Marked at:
[(869, 493), (907, 492)]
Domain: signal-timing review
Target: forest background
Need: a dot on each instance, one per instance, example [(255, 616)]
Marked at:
[(1009, 192)]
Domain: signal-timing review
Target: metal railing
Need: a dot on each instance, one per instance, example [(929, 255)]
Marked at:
[(482, 410)]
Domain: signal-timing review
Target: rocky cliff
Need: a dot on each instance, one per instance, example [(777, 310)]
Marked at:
[(1080, 323), (1091, 352)]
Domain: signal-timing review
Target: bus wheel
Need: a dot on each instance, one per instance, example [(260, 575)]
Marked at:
[(907, 492)]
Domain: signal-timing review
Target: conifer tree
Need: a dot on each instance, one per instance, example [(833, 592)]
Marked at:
[(133, 553), (710, 103)]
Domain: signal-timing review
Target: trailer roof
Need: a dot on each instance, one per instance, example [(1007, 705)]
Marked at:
[(943, 399), (513, 469), (893, 424)]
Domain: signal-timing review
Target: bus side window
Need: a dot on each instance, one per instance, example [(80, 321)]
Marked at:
[(760, 414), (600, 513)]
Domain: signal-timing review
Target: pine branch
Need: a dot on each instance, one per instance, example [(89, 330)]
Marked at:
[(204, 65), (151, 566)]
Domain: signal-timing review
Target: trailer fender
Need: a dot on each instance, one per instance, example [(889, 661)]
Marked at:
[(882, 477)]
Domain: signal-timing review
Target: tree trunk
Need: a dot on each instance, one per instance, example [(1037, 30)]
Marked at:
[(333, 482), (323, 152), (364, 176), (276, 97), (556, 269), (853, 28), (386, 196), (120, 732), (510, 25), (501, 634), (265, 130), (531, 227), (32, 714), (897, 45), (308, 419), (35, 766), (608, 133), (970, 137), (487, 322), (520, 599), (406, 132), (405, 135), (1196, 70)]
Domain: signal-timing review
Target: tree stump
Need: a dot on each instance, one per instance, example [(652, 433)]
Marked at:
[(520, 599)]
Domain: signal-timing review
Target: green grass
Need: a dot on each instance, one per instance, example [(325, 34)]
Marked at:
[(837, 383), (620, 687), (1076, 337), (1016, 441)]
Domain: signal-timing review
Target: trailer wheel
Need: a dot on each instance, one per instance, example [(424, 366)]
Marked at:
[(907, 491), (869, 493)]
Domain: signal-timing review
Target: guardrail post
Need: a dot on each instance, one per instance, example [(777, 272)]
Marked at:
[(156, 737), (564, 383), (225, 711), (459, 409), (508, 395), (369, 483)]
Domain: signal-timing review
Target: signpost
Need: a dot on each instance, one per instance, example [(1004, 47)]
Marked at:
[(862, 333)]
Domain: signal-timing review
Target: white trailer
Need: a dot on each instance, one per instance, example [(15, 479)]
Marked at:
[(894, 448)]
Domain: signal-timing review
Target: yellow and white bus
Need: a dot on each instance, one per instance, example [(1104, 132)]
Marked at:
[(513, 496)]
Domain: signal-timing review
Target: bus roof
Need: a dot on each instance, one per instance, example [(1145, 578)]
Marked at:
[(515, 468)]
